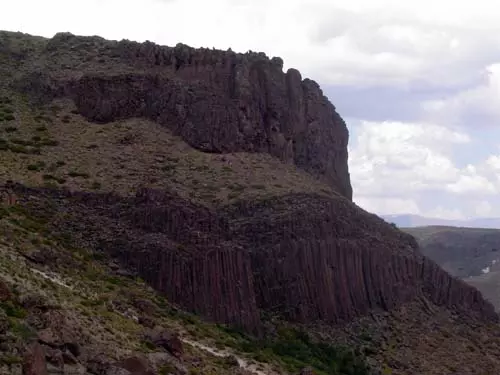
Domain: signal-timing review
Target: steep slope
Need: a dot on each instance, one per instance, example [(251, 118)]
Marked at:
[(223, 183), (81, 314), (469, 253)]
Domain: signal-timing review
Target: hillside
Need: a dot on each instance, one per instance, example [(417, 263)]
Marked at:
[(207, 194), (469, 253)]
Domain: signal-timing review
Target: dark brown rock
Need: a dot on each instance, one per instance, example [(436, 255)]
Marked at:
[(69, 358), (308, 257), (73, 347), (218, 101), (169, 341), (5, 293), (34, 361), (54, 356), (158, 360), (136, 366), (99, 365), (307, 371), (4, 322), (146, 322)]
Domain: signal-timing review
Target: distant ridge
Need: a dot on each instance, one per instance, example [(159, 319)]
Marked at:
[(410, 221)]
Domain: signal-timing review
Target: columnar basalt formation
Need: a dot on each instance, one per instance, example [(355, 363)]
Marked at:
[(299, 256), (217, 101)]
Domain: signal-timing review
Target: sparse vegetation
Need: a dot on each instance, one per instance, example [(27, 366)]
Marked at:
[(78, 174), (10, 129)]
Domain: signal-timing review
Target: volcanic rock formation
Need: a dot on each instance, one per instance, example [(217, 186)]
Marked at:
[(217, 101), (305, 257)]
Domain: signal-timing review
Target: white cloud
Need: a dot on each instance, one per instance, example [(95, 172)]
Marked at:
[(333, 41), (400, 167), (398, 158), (483, 208), (480, 101), (386, 206)]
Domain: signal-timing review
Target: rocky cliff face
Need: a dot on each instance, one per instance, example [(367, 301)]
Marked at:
[(298, 256), (217, 101)]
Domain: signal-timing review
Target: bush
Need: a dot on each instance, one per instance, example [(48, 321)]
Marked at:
[(296, 350), (34, 167), (12, 310), (48, 142), (78, 174)]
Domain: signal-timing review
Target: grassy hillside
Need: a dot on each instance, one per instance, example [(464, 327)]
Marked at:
[(53, 146), (109, 313), (463, 252), (89, 297), (469, 253)]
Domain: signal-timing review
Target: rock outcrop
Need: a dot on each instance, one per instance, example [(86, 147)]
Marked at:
[(34, 361), (217, 101), (308, 258)]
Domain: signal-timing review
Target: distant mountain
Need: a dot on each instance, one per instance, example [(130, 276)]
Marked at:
[(410, 221)]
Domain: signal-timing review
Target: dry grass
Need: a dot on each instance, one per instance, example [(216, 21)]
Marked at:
[(88, 293), (125, 155)]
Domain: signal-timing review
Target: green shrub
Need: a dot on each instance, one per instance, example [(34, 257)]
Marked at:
[(49, 177), (295, 350), (10, 360), (23, 142), (22, 330), (78, 174), (48, 142), (12, 310), (33, 167), (19, 149)]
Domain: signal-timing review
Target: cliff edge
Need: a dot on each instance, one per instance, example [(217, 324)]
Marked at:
[(216, 101)]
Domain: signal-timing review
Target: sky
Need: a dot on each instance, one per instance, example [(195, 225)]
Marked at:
[(417, 82)]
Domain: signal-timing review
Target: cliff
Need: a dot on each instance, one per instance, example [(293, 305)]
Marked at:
[(298, 256), (216, 101)]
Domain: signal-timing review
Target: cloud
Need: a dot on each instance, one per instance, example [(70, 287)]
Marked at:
[(410, 168), (476, 104), (395, 158)]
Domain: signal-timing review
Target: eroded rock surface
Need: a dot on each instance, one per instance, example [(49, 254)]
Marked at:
[(305, 257), (218, 101)]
